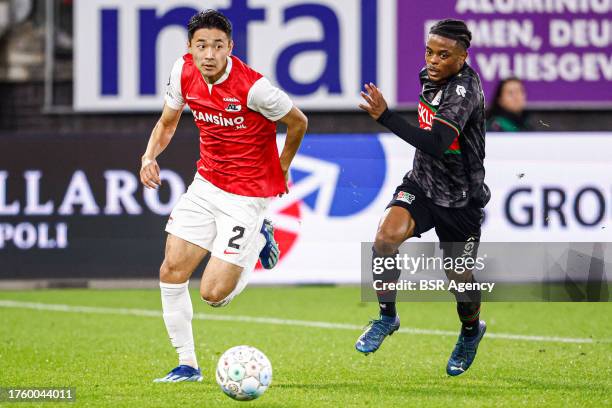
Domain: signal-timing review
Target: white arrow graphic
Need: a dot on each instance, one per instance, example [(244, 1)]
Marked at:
[(323, 177)]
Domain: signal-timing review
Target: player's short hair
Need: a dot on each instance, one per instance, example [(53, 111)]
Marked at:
[(209, 19), (454, 29)]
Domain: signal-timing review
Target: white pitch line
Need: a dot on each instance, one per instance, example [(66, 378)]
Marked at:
[(275, 321)]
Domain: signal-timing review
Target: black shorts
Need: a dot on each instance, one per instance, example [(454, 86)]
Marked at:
[(451, 224)]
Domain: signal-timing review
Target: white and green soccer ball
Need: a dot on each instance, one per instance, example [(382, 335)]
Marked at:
[(244, 373)]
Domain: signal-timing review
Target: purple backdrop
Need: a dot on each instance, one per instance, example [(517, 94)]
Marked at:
[(564, 57)]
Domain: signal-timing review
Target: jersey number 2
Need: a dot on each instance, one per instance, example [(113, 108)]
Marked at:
[(240, 234)]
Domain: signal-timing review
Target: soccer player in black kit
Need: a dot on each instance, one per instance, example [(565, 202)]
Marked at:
[(445, 189)]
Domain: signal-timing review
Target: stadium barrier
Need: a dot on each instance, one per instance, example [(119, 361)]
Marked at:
[(74, 208)]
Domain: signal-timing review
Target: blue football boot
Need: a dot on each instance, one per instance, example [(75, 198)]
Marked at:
[(181, 373), (465, 351), (270, 253), (376, 331)]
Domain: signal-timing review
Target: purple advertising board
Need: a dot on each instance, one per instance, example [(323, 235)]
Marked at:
[(561, 49)]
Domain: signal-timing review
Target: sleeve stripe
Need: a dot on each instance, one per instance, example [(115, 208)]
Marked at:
[(448, 123)]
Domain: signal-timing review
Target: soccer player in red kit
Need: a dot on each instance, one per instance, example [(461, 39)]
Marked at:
[(235, 109)]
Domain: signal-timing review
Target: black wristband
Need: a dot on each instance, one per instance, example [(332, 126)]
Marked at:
[(384, 116)]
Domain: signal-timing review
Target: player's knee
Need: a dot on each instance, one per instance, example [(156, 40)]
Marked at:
[(214, 297), (387, 240), (170, 272)]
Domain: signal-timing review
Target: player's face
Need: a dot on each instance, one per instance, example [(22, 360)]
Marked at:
[(444, 57), (210, 48), (513, 97)]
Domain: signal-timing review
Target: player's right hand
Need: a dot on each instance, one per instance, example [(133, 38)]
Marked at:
[(286, 174), (374, 101), (149, 173)]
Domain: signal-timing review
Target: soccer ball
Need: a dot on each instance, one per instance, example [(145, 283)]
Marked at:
[(244, 373)]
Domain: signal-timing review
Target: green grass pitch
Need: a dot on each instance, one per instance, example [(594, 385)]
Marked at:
[(112, 358)]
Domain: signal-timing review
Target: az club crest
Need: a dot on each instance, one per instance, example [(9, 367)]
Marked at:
[(232, 107)]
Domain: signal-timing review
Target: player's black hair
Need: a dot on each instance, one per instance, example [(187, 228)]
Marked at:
[(209, 19), (454, 29)]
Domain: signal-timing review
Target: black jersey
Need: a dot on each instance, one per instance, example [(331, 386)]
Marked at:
[(458, 177)]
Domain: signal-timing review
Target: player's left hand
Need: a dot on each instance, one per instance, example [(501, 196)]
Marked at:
[(375, 103)]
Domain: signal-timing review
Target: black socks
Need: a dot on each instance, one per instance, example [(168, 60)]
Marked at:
[(386, 298)]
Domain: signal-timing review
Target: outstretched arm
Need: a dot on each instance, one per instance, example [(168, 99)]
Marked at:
[(160, 138), (297, 123), (434, 142)]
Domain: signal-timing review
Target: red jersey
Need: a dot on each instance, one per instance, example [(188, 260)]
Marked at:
[(236, 117)]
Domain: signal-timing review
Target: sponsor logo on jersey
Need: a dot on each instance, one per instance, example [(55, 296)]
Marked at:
[(426, 113), (405, 197), (218, 119), (230, 99)]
